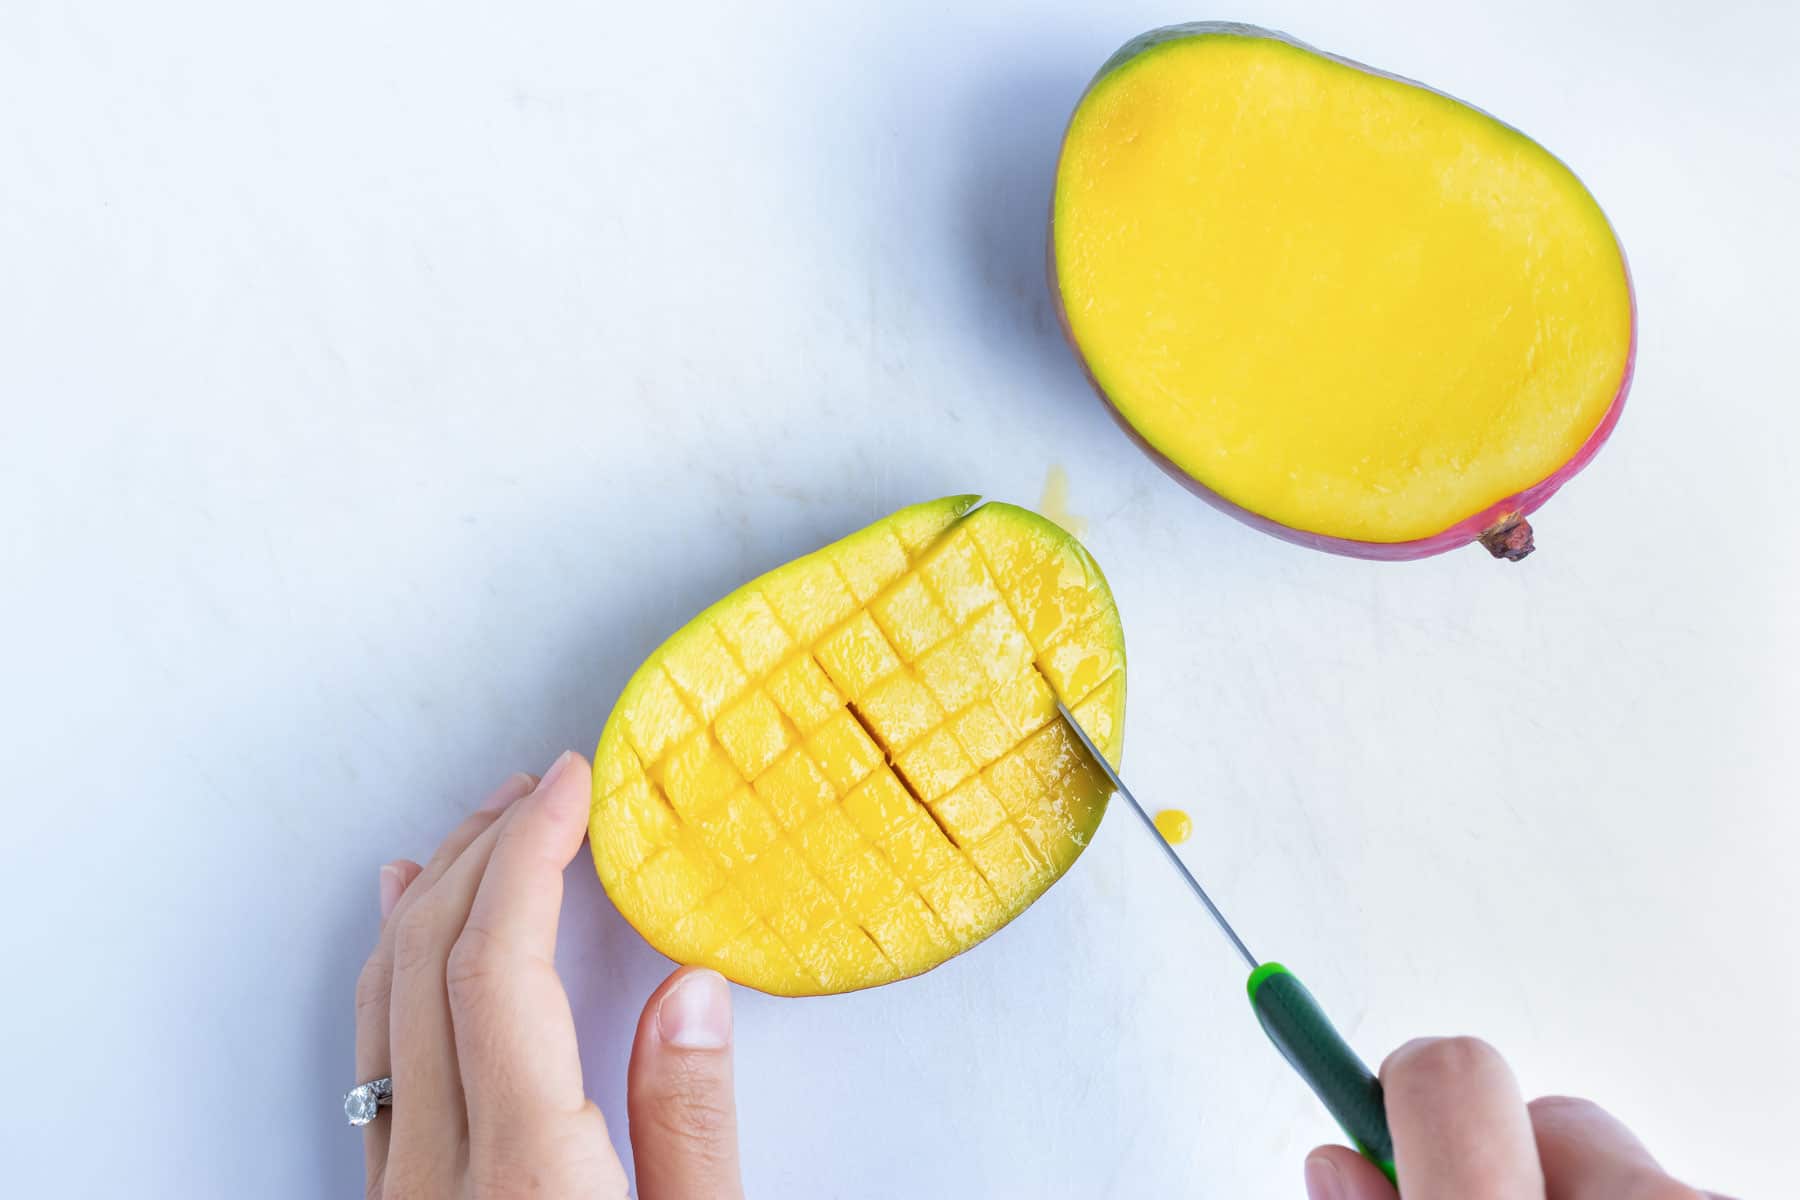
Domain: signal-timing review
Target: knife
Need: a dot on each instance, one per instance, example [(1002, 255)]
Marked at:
[(1285, 1009)]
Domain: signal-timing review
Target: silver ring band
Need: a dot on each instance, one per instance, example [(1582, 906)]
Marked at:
[(363, 1102)]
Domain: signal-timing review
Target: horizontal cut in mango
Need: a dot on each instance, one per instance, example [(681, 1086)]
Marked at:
[(1339, 300), (851, 769)]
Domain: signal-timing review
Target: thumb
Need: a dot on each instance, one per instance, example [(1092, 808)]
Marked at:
[(1339, 1173), (678, 1092)]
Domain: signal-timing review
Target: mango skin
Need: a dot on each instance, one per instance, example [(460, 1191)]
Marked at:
[(654, 795), (1500, 526)]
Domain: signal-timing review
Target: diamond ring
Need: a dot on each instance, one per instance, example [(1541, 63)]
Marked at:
[(363, 1101)]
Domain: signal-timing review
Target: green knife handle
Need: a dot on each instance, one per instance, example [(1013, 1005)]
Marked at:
[(1305, 1036)]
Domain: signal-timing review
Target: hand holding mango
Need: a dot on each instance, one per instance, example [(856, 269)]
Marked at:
[(462, 1005)]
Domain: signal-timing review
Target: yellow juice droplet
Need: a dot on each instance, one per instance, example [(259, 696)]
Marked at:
[(1054, 503), (1174, 825)]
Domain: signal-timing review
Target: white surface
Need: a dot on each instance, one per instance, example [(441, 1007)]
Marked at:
[(381, 382)]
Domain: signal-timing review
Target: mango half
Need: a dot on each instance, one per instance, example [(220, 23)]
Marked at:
[(852, 768), (1348, 309)]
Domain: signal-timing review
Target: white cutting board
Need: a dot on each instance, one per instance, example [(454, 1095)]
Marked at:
[(382, 381)]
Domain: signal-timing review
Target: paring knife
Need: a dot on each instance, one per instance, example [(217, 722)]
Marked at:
[(1286, 1010)]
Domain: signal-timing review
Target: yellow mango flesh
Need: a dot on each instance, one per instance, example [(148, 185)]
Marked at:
[(1339, 300), (851, 769)]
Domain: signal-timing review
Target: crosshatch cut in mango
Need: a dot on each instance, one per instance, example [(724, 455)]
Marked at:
[(851, 769)]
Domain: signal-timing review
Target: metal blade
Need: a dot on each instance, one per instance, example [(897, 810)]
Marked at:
[(1118, 786)]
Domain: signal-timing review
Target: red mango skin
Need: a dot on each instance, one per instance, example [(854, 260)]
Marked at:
[(1493, 519)]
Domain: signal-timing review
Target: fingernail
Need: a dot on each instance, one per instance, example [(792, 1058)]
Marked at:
[(1322, 1179), (556, 768), (391, 886), (517, 784), (696, 1013)]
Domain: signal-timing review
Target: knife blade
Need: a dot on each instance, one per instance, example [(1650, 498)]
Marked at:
[(1287, 1012)]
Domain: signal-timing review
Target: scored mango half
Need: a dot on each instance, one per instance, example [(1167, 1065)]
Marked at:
[(852, 768)]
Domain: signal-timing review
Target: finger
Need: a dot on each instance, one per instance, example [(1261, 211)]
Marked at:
[(679, 1091), (395, 878), (1340, 1173), (515, 1035), (429, 1123), (1460, 1127), (404, 879), (1588, 1155), (374, 987), (463, 836), (372, 1017)]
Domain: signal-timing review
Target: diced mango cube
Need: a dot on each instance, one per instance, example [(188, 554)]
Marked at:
[(1026, 703), (918, 848), (961, 898), (718, 919), (754, 633), (1008, 862), (703, 668), (983, 733), (805, 909), (1076, 663), (878, 805), (1053, 753), (956, 573), (993, 640), (676, 879), (801, 690), (1013, 782), (911, 617), (828, 838), (856, 656), (742, 828), (1050, 591), (872, 565), (758, 954), (970, 812), (632, 824), (909, 933), (1100, 713), (778, 874), (899, 709), (844, 751), (843, 956), (865, 882), (696, 776), (617, 764), (934, 764), (954, 676), (794, 789), (652, 814), (752, 733), (1032, 567), (1061, 822), (657, 717), (809, 596)]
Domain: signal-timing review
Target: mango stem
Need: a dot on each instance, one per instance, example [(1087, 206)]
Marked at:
[(1509, 538)]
